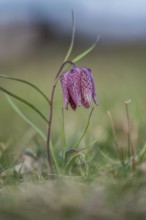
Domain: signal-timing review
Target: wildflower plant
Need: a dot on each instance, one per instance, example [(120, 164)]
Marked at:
[(78, 90)]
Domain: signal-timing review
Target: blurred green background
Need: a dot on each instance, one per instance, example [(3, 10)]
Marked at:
[(34, 39), (119, 74)]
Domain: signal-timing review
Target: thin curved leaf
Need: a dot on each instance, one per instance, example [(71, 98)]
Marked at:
[(86, 127), (106, 156), (25, 102), (84, 53), (54, 158), (79, 57), (38, 130), (72, 158), (142, 152), (89, 145), (72, 38), (28, 83), (19, 112)]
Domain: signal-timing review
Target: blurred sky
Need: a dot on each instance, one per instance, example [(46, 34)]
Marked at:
[(112, 19)]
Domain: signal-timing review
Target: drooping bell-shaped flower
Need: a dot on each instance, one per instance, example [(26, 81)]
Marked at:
[(78, 87)]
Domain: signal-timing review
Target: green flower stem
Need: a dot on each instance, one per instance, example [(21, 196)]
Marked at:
[(51, 111), (87, 125)]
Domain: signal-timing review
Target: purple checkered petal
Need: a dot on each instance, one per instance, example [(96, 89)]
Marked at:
[(63, 80), (72, 103), (86, 87), (78, 87), (93, 88), (74, 85)]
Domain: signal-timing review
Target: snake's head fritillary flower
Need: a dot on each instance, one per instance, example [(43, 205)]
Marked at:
[(78, 87)]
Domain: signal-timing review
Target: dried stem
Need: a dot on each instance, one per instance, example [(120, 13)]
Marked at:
[(118, 149), (114, 132), (51, 110), (130, 142)]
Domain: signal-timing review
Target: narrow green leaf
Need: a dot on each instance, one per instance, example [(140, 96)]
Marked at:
[(142, 152), (63, 134), (38, 130), (28, 83), (54, 158), (83, 54), (106, 156), (89, 145), (72, 38), (25, 102), (79, 57), (72, 158), (19, 112), (87, 125)]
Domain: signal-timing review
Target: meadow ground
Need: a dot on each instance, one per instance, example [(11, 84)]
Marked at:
[(104, 181)]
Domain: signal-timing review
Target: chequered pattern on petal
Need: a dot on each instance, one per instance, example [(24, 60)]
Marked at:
[(93, 88), (72, 103), (74, 85), (63, 80), (78, 87), (86, 88)]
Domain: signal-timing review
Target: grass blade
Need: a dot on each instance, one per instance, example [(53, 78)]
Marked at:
[(28, 83), (72, 158), (18, 111), (79, 57), (87, 125), (72, 38), (142, 152), (54, 158), (114, 133), (38, 130), (25, 102), (88, 146), (83, 54), (120, 151), (130, 141), (106, 156)]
